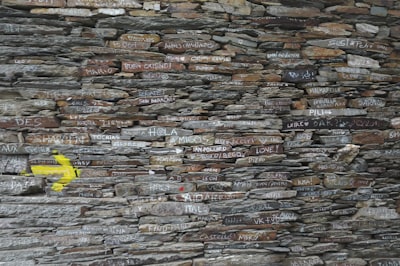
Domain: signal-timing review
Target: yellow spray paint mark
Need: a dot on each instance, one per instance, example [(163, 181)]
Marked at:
[(68, 172)]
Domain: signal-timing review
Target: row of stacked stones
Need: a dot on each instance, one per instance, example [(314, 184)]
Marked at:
[(204, 132)]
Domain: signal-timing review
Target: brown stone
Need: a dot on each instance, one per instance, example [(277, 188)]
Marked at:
[(314, 52), (375, 137), (140, 37), (97, 71), (247, 77), (348, 10), (306, 181), (130, 45)]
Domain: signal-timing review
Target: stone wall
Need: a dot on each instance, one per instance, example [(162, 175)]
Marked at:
[(208, 132)]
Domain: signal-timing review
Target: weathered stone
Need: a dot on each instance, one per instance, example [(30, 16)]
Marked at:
[(299, 75), (96, 4), (191, 140), (312, 260), (75, 12), (383, 154), (54, 3), (378, 11), (31, 122), (347, 43), (379, 213), (134, 45), (344, 182), (336, 123), (374, 137), (20, 185), (66, 138), (367, 28), (304, 12), (240, 124), (367, 102), (315, 52), (182, 46), (166, 160), (153, 23), (134, 67), (361, 61), (329, 112)]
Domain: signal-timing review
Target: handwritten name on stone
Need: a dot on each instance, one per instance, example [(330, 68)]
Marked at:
[(134, 67), (268, 149), (299, 75), (347, 43), (65, 138), (23, 149), (32, 122), (207, 196), (240, 124), (131, 45), (197, 59), (101, 3), (155, 132), (250, 140), (217, 155), (140, 37), (182, 46), (328, 102), (190, 140), (337, 123)]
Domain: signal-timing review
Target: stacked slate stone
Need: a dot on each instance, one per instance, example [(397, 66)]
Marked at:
[(224, 132)]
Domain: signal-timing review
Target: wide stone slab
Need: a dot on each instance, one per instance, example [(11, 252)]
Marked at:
[(154, 23), (20, 185)]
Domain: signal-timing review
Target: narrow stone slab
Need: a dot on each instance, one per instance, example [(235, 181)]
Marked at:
[(97, 4), (336, 123)]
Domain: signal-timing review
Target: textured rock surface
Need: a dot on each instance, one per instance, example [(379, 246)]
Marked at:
[(226, 132)]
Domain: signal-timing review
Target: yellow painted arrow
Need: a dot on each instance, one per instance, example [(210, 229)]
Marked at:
[(65, 168)]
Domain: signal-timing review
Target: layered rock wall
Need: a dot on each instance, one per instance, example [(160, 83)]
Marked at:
[(225, 132)]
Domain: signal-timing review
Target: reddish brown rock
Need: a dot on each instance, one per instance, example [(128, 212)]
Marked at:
[(130, 45), (97, 71), (375, 137), (315, 52), (140, 37)]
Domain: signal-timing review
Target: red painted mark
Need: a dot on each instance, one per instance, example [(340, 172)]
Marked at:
[(182, 189)]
